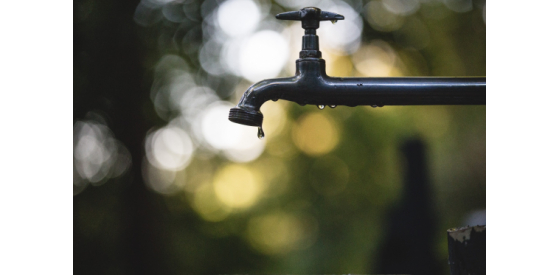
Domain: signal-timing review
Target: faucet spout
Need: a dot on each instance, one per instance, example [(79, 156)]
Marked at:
[(247, 112), (296, 89)]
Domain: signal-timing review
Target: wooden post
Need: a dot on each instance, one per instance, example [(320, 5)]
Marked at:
[(467, 250)]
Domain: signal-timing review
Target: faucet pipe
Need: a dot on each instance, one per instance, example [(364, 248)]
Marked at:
[(311, 85)]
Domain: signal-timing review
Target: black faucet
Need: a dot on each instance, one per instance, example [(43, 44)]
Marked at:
[(311, 84)]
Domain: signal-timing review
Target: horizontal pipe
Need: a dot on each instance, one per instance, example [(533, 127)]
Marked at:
[(311, 85), (394, 91)]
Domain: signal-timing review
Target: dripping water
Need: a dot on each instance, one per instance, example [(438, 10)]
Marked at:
[(260, 133), (334, 21), (374, 106), (321, 107), (332, 106)]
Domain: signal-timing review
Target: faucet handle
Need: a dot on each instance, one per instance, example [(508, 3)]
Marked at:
[(310, 17)]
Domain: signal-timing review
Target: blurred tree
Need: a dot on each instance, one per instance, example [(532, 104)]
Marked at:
[(110, 78)]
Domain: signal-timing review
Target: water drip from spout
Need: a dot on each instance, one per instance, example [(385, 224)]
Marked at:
[(332, 106), (321, 107), (334, 21), (260, 133)]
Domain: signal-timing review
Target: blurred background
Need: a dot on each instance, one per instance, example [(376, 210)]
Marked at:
[(164, 183)]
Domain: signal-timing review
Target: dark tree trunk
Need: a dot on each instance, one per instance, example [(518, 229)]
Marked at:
[(110, 56)]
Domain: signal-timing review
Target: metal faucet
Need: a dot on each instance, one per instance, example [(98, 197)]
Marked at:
[(311, 84)]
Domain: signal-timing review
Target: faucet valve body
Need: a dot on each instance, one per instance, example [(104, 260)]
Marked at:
[(310, 45), (311, 84)]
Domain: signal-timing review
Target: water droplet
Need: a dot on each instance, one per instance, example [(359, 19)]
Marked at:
[(275, 99), (374, 106), (332, 106), (321, 107), (334, 21), (260, 134)]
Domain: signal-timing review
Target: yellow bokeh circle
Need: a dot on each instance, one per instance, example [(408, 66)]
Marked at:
[(315, 134), (237, 186)]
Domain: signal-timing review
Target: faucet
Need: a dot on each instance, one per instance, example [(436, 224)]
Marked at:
[(311, 84)]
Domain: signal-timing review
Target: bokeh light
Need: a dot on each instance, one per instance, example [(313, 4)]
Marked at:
[(238, 17), (376, 60), (344, 38), (92, 151), (315, 134), (210, 61), (380, 19), (263, 55), (169, 148), (173, 82), (237, 186), (98, 156), (195, 100)]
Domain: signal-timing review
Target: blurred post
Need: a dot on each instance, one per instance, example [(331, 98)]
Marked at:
[(409, 245)]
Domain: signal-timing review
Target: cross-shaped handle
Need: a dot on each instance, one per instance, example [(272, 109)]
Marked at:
[(310, 17)]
